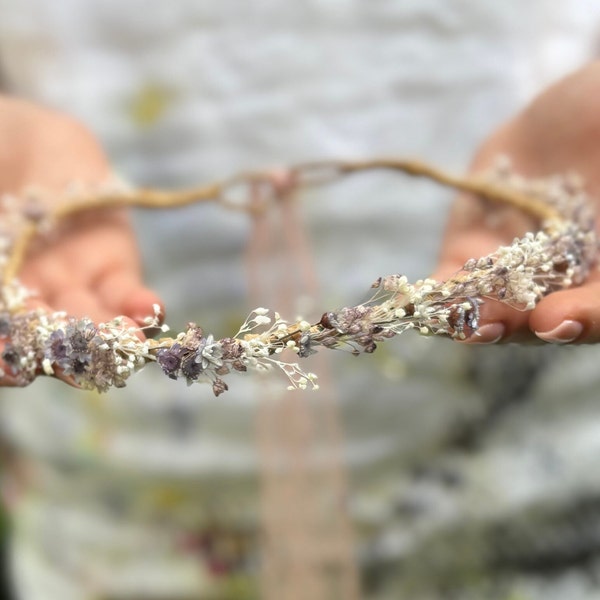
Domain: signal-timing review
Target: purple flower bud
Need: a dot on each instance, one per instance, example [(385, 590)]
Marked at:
[(57, 348), (78, 366), (4, 325), (78, 342), (10, 355), (191, 368), (169, 360)]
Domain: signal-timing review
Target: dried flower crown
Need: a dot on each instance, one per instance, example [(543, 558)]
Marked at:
[(100, 356)]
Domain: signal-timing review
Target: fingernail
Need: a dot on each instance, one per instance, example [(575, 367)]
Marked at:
[(487, 334), (567, 331)]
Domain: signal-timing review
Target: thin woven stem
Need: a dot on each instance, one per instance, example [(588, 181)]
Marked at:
[(215, 192)]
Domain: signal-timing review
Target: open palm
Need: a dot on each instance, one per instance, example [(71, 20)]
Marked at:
[(90, 266), (559, 132)]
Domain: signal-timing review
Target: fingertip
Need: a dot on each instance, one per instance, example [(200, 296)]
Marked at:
[(498, 322), (501, 323), (490, 333), (68, 379), (142, 304), (7, 380), (570, 316), (81, 303), (565, 332)]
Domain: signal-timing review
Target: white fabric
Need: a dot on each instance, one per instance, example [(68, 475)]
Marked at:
[(239, 85)]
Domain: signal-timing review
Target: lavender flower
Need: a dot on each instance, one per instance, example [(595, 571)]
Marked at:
[(191, 368), (170, 360), (56, 348)]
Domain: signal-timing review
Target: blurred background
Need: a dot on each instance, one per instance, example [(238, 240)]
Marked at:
[(425, 471)]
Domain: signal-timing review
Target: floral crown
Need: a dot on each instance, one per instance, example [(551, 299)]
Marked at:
[(104, 355)]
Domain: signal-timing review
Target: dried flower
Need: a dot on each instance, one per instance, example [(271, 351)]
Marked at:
[(170, 360), (101, 356)]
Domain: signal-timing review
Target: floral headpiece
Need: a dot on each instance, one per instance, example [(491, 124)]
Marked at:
[(104, 355)]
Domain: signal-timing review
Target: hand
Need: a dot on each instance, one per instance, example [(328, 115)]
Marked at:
[(91, 266), (559, 132)]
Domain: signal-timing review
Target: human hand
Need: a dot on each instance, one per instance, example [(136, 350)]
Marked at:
[(90, 266), (559, 132)]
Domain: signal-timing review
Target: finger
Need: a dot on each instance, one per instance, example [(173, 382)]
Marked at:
[(68, 379), (498, 322), (8, 380), (569, 316), (143, 303), (501, 323), (122, 293), (81, 303)]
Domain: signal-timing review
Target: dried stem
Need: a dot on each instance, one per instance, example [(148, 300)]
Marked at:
[(215, 192), (18, 252), (473, 184)]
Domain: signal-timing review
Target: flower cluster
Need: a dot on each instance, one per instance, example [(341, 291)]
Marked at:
[(101, 356), (520, 274), (197, 357), (95, 357)]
